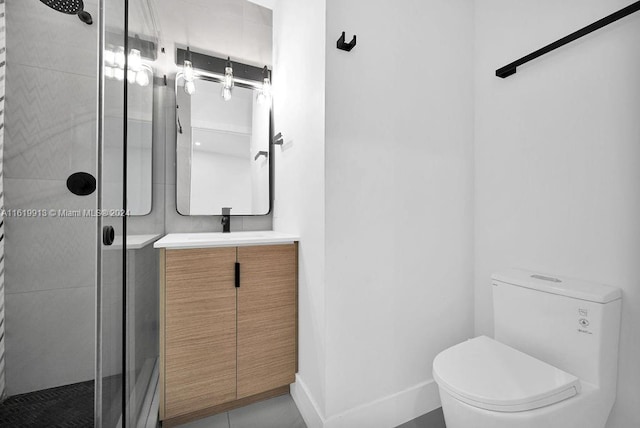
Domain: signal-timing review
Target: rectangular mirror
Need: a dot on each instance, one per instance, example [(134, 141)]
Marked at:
[(140, 143), (223, 157), (139, 136)]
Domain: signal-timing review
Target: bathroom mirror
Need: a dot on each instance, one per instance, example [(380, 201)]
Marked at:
[(139, 136), (223, 157), (139, 145)]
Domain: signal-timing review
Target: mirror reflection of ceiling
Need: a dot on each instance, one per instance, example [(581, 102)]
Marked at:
[(240, 29), (209, 111)]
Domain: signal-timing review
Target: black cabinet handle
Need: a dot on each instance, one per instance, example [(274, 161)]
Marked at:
[(108, 235), (237, 275)]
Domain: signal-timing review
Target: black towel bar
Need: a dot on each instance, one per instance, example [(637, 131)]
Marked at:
[(510, 69)]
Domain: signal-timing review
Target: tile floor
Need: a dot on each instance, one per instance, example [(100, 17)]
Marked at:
[(281, 412), (69, 406), (433, 419)]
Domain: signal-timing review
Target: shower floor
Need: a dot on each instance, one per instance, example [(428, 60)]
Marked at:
[(68, 406)]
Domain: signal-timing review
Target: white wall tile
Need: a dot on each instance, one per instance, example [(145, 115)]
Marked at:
[(42, 37), (51, 123), (45, 253), (50, 338)]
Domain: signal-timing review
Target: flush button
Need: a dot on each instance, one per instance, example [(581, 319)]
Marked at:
[(583, 322)]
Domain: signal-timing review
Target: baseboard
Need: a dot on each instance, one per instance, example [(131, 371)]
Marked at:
[(386, 412), (306, 404)]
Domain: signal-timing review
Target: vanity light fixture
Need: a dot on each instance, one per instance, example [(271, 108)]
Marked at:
[(118, 73), (115, 59), (109, 58), (135, 60), (134, 63), (142, 77), (189, 88), (137, 72), (187, 73), (119, 58), (264, 93), (227, 83)]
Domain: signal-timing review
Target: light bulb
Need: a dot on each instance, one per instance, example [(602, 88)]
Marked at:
[(226, 93), (135, 61), (119, 58), (109, 57), (131, 77), (108, 72), (142, 78), (187, 71), (190, 88), (228, 77), (118, 73), (265, 92)]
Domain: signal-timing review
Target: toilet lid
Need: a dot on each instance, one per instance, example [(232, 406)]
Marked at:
[(488, 374)]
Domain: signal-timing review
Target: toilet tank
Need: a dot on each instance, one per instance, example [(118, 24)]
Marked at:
[(572, 324)]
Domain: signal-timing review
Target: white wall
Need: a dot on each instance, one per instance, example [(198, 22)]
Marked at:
[(237, 28), (558, 159), (298, 85), (399, 169)]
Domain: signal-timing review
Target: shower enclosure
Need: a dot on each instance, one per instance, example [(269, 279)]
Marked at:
[(80, 340)]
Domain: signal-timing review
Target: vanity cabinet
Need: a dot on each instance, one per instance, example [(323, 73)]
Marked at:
[(228, 327)]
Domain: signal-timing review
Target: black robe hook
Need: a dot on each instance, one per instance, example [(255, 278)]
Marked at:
[(346, 46)]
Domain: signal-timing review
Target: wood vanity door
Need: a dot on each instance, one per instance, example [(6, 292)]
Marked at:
[(266, 318), (200, 329)]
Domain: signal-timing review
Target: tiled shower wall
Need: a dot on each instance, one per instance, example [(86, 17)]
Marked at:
[(50, 134)]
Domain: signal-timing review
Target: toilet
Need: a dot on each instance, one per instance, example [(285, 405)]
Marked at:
[(553, 362)]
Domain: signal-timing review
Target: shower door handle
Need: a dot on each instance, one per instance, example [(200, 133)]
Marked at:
[(108, 235)]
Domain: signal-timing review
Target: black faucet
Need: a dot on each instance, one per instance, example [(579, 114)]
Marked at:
[(226, 220)]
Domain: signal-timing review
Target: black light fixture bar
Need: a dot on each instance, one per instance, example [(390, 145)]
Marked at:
[(217, 65), (146, 47), (510, 69)]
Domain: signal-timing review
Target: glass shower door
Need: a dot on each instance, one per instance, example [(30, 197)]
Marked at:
[(111, 299), (127, 277), (142, 291)]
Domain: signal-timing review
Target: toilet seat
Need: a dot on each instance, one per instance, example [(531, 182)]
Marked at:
[(490, 375)]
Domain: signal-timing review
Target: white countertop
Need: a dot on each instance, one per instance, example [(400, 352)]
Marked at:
[(134, 242), (232, 239)]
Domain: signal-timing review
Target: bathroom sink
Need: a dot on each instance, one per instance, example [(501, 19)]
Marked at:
[(201, 240), (224, 236)]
